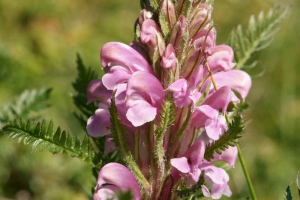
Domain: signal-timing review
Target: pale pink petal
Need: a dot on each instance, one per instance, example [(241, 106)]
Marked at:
[(106, 192), (181, 164), (143, 82), (141, 113), (229, 155), (111, 80), (237, 80), (119, 176), (219, 99), (97, 125), (169, 59), (205, 191), (97, 91), (221, 58), (109, 145), (116, 53)]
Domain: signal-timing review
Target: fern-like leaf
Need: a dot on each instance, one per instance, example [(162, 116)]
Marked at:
[(43, 137), (229, 138), (27, 105), (84, 77), (258, 36)]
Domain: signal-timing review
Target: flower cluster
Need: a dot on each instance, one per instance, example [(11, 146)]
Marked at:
[(172, 87)]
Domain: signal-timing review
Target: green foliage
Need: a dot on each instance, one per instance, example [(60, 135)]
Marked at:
[(84, 77), (125, 195), (288, 194), (27, 105), (229, 138), (259, 35), (42, 136)]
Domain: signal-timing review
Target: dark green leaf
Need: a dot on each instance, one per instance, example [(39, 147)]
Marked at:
[(56, 142)]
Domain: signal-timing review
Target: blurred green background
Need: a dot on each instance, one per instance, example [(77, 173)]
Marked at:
[(38, 44)]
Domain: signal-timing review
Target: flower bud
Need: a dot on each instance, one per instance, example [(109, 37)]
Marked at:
[(169, 59), (178, 32), (200, 18), (169, 12)]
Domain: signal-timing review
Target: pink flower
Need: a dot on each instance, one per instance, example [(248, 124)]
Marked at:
[(188, 164), (169, 59), (206, 116), (221, 58), (217, 179), (229, 155), (113, 178), (184, 92), (120, 61), (98, 124), (145, 96)]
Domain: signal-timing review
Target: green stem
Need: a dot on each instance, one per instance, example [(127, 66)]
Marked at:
[(251, 188)]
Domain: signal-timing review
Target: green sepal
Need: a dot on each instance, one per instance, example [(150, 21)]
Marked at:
[(227, 139), (43, 137), (164, 25), (154, 4)]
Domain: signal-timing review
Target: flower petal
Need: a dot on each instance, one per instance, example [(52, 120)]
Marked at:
[(120, 176)]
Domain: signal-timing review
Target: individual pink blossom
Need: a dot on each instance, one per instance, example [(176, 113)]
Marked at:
[(169, 59), (97, 91), (120, 61), (209, 118), (221, 58), (217, 179), (229, 155), (237, 80), (149, 32), (188, 165), (114, 177), (184, 92), (204, 36), (145, 96), (98, 124)]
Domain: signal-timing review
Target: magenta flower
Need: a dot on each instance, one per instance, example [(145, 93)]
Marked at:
[(215, 124), (169, 59), (143, 100), (120, 61), (188, 165), (98, 124), (114, 178), (169, 106), (184, 92), (217, 179), (229, 155)]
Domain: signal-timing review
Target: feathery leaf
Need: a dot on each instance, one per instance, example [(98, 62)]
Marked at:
[(43, 137), (84, 77), (259, 35), (27, 105), (227, 139)]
